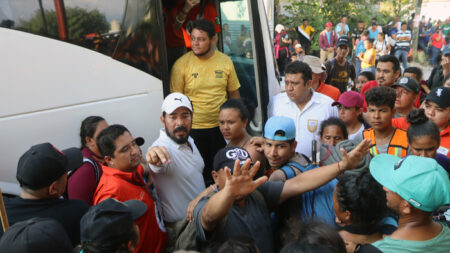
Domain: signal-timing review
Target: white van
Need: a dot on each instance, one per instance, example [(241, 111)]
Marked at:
[(61, 61)]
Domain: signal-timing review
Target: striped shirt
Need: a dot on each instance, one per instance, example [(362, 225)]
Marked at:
[(404, 44)]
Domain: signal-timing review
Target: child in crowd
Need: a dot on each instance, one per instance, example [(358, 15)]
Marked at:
[(350, 109), (363, 78), (424, 139), (380, 111), (332, 131), (368, 57), (437, 109)]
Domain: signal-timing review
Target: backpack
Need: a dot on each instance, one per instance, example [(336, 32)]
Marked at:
[(332, 61), (96, 171), (187, 237)]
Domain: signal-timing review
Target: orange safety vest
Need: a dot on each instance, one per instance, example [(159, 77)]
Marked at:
[(398, 145)]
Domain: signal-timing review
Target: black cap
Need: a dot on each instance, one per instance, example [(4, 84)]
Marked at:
[(139, 141), (228, 155), (440, 95), (43, 164), (410, 84), (110, 220), (343, 41), (36, 235)]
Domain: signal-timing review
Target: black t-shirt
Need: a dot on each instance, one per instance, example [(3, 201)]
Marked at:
[(339, 76), (67, 212)]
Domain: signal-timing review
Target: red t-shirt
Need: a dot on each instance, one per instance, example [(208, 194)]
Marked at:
[(366, 87), (401, 123), (329, 90), (124, 186), (437, 43)]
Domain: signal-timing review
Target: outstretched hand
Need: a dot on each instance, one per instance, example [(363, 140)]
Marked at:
[(258, 142), (157, 155), (352, 159), (241, 183)]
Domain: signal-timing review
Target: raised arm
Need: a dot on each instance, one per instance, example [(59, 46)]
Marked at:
[(315, 178), (237, 186)]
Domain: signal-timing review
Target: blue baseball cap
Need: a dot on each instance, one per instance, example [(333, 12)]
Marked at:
[(419, 180), (279, 123)]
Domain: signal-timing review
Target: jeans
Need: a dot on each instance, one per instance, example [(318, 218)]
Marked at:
[(357, 67), (435, 53), (402, 56)]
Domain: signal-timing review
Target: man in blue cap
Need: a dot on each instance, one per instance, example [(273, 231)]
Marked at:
[(236, 210), (415, 187)]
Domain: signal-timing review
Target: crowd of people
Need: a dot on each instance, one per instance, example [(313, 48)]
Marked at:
[(364, 44), (365, 170)]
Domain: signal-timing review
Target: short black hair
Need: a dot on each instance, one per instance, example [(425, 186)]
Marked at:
[(414, 70), (206, 26), (88, 127), (240, 244), (305, 19), (343, 16), (334, 121), (358, 193), (298, 67), (382, 95), (421, 126), (370, 40), (106, 139), (360, 21), (305, 247), (404, 23), (244, 106), (369, 74), (390, 58)]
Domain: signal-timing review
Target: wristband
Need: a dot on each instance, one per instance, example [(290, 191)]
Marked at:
[(179, 21)]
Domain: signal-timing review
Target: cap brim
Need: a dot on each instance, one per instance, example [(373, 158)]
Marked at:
[(335, 103), (137, 208), (382, 170), (403, 86), (139, 141), (74, 158)]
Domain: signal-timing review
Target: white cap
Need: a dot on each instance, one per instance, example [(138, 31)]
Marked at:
[(314, 63), (175, 100), (298, 45)]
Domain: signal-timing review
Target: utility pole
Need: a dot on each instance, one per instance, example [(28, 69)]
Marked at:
[(416, 24)]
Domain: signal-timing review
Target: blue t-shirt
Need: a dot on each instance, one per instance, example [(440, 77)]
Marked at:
[(360, 48), (339, 28), (328, 37), (373, 35)]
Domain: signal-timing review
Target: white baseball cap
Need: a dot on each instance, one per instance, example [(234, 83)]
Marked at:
[(175, 100)]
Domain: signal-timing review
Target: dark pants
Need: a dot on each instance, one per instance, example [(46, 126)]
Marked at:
[(208, 142)]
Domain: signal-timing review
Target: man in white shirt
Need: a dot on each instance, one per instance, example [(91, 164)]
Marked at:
[(302, 104), (175, 162)]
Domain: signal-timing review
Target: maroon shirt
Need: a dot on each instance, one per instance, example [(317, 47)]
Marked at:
[(82, 183)]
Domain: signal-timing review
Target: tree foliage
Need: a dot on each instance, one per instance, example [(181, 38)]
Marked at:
[(79, 23)]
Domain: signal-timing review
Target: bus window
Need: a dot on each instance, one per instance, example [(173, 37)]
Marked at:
[(139, 45), (91, 24), (96, 25), (237, 43), (178, 35)]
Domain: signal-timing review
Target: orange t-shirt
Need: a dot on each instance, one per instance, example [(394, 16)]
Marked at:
[(329, 90), (401, 123), (445, 142), (124, 186), (180, 37)]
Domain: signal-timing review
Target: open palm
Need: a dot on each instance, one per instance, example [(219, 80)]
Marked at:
[(241, 183)]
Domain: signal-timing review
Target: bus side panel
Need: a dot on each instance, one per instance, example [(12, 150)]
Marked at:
[(48, 87)]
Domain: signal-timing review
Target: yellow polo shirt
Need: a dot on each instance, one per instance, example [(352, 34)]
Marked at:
[(308, 30), (206, 83)]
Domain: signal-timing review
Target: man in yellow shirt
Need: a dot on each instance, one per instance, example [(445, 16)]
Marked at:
[(208, 78), (305, 36)]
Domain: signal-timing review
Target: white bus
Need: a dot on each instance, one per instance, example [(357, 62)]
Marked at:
[(61, 61)]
